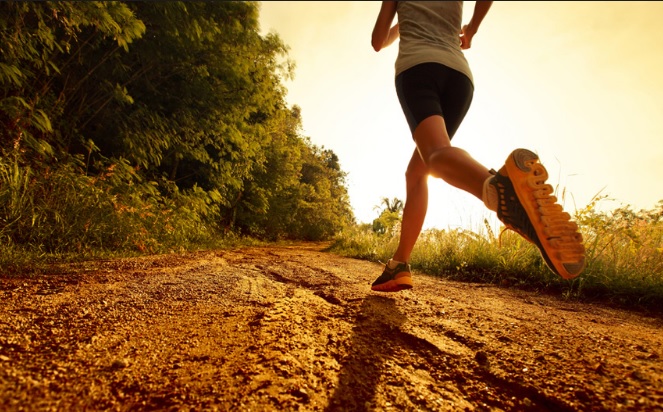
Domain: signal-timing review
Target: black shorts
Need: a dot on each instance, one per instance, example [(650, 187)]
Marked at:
[(429, 89)]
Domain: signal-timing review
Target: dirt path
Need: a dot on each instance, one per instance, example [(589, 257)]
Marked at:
[(294, 328)]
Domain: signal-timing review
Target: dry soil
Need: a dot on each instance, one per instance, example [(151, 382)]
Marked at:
[(297, 328)]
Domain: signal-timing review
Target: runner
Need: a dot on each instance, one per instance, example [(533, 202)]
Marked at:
[(435, 86)]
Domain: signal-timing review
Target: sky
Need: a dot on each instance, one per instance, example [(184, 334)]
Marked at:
[(578, 83)]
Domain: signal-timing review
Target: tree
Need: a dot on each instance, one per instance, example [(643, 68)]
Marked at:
[(300, 192), (393, 206), (42, 43), (173, 106), (390, 215)]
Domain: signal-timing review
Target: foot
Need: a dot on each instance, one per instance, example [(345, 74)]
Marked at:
[(394, 280), (526, 206)]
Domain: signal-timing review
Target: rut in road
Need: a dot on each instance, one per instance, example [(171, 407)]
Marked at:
[(296, 328)]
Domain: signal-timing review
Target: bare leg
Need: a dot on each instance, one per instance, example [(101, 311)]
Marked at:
[(435, 156), (452, 164), (416, 205)]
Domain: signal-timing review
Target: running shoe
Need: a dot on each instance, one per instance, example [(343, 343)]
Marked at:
[(394, 280), (527, 206)]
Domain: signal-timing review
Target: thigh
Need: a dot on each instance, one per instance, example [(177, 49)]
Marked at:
[(431, 136), (432, 89), (455, 92)]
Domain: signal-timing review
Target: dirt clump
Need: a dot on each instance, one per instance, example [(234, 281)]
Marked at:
[(296, 328)]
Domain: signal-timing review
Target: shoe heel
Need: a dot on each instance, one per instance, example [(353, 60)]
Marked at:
[(523, 158)]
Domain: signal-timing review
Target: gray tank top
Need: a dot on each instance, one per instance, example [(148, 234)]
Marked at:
[(429, 33)]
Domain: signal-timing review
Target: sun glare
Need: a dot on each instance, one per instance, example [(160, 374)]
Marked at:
[(576, 83)]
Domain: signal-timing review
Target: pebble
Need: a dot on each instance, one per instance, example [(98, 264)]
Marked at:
[(120, 363)]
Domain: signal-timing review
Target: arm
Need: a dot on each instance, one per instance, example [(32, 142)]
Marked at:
[(384, 35), (469, 30)]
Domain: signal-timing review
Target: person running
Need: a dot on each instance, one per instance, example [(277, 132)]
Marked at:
[(434, 85)]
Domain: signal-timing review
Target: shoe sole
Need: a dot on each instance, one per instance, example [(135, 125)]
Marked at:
[(519, 170), (394, 285)]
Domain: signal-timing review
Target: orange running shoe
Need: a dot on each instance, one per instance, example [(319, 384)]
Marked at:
[(527, 207), (394, 280)]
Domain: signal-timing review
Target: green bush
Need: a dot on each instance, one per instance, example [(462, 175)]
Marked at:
[(59, 210)]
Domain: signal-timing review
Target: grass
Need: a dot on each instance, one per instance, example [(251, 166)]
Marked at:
[(624, 256), (58, 213), (55, 214)]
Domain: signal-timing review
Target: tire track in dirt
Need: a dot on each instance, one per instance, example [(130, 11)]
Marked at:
[(294, 328)]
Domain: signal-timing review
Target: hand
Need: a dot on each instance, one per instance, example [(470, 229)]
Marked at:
[(466, 34)]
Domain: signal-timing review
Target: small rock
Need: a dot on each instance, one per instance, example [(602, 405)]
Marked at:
[(120, 363), (481, 357), (599, 368), (301, 394)]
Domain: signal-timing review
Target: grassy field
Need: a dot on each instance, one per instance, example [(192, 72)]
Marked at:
[(624, 256), (59, 215)]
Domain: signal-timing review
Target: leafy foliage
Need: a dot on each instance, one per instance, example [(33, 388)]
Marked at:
[(148, 125), (390, 216)]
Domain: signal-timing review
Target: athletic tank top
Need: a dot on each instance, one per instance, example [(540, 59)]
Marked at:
[(429, 33)]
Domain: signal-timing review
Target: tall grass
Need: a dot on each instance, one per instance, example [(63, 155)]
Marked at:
[(624, 256), (52, 212), (625, 253)]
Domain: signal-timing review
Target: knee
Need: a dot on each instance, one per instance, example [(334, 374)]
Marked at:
[(440, 162), (415, 176)]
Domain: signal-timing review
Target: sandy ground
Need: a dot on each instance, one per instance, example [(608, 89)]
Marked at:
[(296, 328)]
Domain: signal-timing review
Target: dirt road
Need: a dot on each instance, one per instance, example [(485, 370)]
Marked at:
[(295, 328)]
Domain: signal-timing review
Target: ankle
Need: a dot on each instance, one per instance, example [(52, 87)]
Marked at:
[(490, 198), (392, 263)]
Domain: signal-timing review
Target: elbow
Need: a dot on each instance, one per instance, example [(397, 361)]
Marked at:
[(376, 41), (377, 45)]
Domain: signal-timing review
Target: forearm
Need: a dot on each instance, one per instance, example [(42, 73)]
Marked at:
[(383, 33), (394, 34), (480, 10)]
